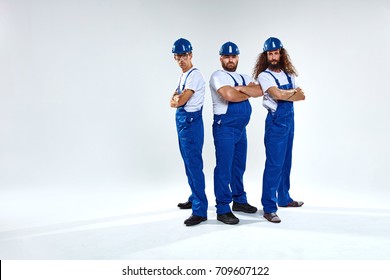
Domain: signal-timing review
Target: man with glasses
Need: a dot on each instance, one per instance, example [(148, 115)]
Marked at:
[(188, 98), (230, 92)]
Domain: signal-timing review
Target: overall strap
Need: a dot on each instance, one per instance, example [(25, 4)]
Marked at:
[(235, 82), (288, 78), (243, 80), (276, 80), (185, 80)]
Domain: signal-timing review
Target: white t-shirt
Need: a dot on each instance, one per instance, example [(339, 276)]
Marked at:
[(219, 79), (196, 83), (266, 81)]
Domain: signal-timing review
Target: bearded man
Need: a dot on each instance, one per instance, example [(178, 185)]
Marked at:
[(276, 75), (230, 92)]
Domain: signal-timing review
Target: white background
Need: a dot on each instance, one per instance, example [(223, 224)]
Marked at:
[(86, 131)]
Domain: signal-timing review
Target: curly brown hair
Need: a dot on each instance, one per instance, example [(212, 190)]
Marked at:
[(285, 61)]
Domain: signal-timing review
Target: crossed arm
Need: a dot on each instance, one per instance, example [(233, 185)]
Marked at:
[(229, 93), (240, 93), (295, 94), (179, 100)]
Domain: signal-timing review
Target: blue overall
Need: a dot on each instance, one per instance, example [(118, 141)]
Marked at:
[(190, 133), (229, 131), (278, 140)]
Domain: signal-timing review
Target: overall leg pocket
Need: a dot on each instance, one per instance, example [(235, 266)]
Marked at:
[(186, 133)]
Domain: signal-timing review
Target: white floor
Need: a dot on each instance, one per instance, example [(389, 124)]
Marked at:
[(114, 223)]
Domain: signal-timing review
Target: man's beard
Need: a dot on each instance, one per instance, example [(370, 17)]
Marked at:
[(229, 68), (274, 67)]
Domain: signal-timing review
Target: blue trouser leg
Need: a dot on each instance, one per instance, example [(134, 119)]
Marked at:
[(189, 179), (191, 136), (238, 169), (278, 144), (224, 152), (188, 173), (230, 151), (284, 187)]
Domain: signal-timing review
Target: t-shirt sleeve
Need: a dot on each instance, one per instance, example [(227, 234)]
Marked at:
[(266, 81), (195, 81), (219, 79)]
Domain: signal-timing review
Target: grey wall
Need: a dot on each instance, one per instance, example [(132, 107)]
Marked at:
[(85, 88)]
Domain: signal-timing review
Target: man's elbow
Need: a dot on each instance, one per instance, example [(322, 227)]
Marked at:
[(232, 98), (275, 93), (227, 96)]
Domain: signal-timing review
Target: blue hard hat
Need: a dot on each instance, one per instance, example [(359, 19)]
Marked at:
[(229, 48), (181, 46), (272, 44)]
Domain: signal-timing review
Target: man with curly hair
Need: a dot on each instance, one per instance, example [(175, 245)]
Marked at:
[(276, 75)]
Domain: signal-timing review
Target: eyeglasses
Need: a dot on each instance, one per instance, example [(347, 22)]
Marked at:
[(181, 56)]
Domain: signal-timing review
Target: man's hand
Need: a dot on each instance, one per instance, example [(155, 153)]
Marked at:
[(174, 99), (299, 94), (179, 100)]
